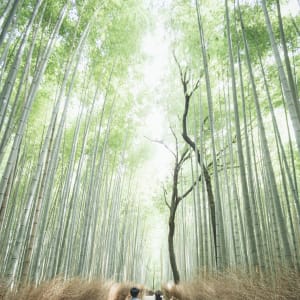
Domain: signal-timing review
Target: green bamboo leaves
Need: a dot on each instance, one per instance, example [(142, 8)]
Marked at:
[(61, 179)]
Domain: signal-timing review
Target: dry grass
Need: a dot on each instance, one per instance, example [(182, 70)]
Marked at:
[(225, 286), (73, 289), (236, 286), (121, 291)]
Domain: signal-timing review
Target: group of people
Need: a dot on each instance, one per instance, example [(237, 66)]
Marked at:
[(134, 292)]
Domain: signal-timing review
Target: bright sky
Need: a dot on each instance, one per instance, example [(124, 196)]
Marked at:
[(291, 8), (155, 126)]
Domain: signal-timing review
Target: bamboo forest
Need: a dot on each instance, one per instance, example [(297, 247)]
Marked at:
[(151, 144)]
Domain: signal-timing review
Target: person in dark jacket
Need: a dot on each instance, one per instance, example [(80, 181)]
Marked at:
[(158, 295), (134, 293)]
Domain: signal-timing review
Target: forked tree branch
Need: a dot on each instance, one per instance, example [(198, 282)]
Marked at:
[(162, 143)]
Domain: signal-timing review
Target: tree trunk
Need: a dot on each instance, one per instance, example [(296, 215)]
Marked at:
[(270, 175), (219, 233), (171, 248), (293, 106), (244, 185)]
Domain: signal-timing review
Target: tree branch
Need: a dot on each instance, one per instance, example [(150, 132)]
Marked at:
[(179, 67), (194, 88), (189, 190), (162, 143), (183, 157), (165, 198)]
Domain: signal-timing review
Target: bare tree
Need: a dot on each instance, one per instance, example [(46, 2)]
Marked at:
[(187, 97)]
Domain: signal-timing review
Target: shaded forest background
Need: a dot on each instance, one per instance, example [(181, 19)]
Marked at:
[(91, 139)]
